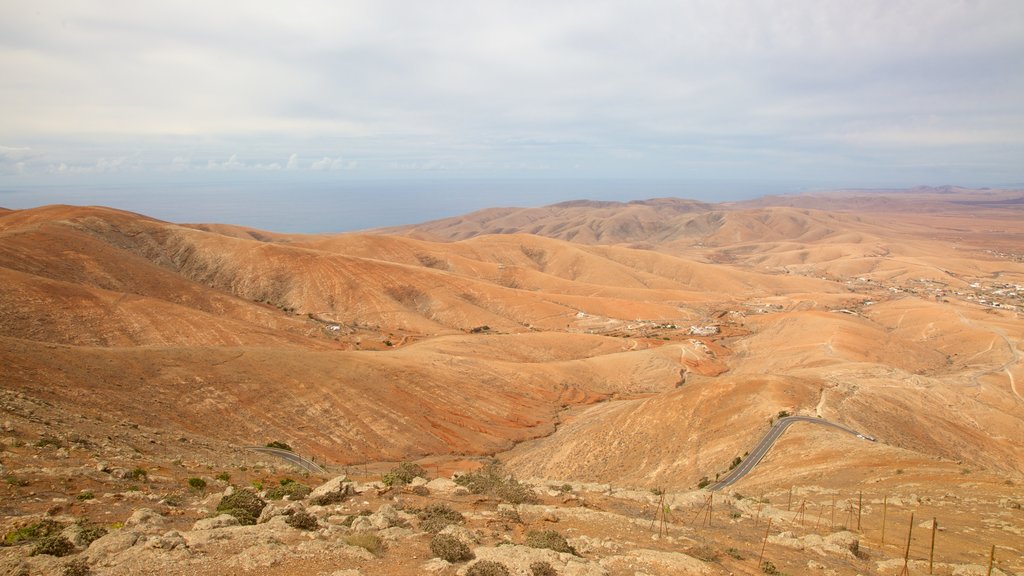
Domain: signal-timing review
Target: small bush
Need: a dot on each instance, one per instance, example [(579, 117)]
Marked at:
[(368, 541), (549, 539), (13, 481), (279, 445), (32, 532), (48, 441), (542, 568), (223, 477), (242, 504), (293, 490), (493, 480), (420, 490), (302, 521), (91, 533), (703, 482), (449, 548), (510, 516), (435, 517), (704, 553), (53, 546), (197, 483), (768, 568), (733, 553), (735, 462), (488, 568), (784, 414), (85, 495), (403, 474), (139, 473), (76, 567)]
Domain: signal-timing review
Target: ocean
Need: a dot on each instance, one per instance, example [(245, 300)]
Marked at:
[(340, 206)]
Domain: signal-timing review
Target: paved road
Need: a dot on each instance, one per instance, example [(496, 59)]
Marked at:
[(766, 443), (291, 457)]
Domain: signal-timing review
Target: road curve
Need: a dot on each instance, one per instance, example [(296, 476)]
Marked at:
[(768, 441), (291, 457)]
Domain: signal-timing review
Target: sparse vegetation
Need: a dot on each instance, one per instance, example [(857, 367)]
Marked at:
[(492, 479), (488, 568), (48, 441), (550, 539), (197, 484), (542, 568), (703, 553), (53, 546), (367, 541), (733, 553), (435, 517), (449, 548), (703, 482), (279, 445), (403, 474), (768, 568), (15, 481), (90, 533), (32, 532), (302, 520), (139, 473), (223, 477), (243, 505), (76, 567), (85, 495), (290, 488), (735, 462)]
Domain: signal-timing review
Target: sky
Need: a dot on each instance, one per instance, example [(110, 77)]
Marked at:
[(158, 96)]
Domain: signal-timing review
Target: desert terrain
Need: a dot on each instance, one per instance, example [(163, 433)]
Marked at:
[(617, 358)]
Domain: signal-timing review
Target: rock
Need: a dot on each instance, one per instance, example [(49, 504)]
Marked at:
[(120, 473), (8, 426), (334, 490), (102, 467), (222, 521), (102, 550), (518, 559), (657, 562), (435, 565), (169, 541), (417, 481), (462, 533), (272, 510), (442, 486), (144, 519)]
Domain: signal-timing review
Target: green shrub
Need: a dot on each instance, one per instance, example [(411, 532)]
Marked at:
[(488, 568), (279, 445), (734, 553), (223, 477), (76, 567), (703, 552), (542, 568), (449, 548), (139, 473), (293, 490), (48, 441), (32, 532), (368, 541), (302, 520), (703, 482), (493, 480), (197, 483), (90, 533), (13, 481), (53, 546), (403, 474), (243, 505), (435, 517), (549, 539), (86, 495), (768, 568)]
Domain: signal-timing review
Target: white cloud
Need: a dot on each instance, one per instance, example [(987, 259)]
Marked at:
[(293, 162), (327, 163)]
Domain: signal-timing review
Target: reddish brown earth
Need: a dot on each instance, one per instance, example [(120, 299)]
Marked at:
[(557, 337)]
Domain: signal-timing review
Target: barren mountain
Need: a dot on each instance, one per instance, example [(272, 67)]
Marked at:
[(636, 345)]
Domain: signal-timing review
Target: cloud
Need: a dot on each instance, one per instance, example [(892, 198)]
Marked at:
[(488, 87)]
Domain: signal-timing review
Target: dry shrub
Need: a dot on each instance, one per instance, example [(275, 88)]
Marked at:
[(450, 549)]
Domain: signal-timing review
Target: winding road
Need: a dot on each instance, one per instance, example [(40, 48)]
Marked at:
[(291, 457), (768, 441)]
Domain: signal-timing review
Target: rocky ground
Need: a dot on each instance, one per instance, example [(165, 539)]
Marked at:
[(131, 502)]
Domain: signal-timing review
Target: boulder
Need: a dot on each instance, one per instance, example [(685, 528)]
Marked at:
[(222, 521)]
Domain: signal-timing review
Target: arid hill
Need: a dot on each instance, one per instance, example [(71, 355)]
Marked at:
[(644, 344)]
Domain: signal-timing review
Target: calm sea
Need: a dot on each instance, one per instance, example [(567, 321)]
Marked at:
[(314, 207)]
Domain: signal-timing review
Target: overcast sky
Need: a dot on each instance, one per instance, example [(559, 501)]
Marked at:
[(857, 92)]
